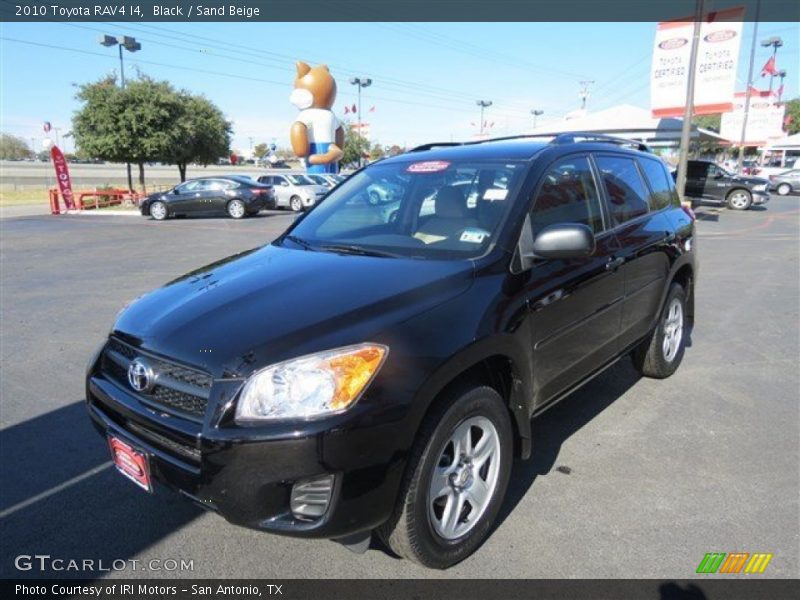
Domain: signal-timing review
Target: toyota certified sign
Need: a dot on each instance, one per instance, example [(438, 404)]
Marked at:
[(673, 43)]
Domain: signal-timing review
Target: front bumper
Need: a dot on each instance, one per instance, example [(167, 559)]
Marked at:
[(760, 197), (247, 475)]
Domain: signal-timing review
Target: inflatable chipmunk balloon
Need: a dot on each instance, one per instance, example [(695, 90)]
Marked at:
[(317, 135)]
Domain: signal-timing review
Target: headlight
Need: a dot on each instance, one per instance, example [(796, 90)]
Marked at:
[(761, 187), (311, 386)]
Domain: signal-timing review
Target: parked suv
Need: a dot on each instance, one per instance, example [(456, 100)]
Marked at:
[(707, 181), (294, 190), (377, 372)]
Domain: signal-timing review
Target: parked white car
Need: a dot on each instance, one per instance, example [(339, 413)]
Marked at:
[(294, 190)]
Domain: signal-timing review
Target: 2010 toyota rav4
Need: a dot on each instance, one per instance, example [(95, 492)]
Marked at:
[(376, 368)]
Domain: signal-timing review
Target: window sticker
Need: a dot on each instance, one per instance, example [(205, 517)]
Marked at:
[(474, 236), (495, 194), (428, 166)]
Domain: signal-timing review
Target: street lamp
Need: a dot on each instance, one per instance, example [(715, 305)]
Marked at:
[(131, 45), (535, 114), (360, 82), (781, 74), (774, 42), (483, 104)]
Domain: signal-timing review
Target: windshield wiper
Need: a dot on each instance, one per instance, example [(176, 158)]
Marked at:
[(350, 249), (299, 242)]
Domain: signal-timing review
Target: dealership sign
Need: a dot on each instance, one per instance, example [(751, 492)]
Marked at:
[(62, 176), (715, 73), (764, 119)]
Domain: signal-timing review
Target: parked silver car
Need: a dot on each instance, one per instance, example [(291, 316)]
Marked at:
[(294, 190), (786, 182)]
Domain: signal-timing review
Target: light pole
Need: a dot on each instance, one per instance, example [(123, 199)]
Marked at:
[(781, 74), (483, 104), (535, 112), (584, 93), (775, 42), (360, 82), (131, 45)]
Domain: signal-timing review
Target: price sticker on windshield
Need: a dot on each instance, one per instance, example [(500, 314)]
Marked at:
[(428, 166)]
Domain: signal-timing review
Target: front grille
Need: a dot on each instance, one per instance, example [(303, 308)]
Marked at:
[(176, 389)]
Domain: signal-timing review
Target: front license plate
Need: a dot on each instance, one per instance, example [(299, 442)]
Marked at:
[(130, 462)]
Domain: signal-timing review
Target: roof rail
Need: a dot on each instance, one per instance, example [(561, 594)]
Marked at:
[(424, 147), (573, 137)]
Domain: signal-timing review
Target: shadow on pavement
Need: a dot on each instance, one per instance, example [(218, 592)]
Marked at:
[(61, 497)]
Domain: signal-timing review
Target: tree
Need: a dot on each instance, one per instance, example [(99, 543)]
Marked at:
[(394, 150), (792, 116), (13, 147), (261, 150), (355, 147), (711, 122), (201, 134), (377, 151), (136, 125)]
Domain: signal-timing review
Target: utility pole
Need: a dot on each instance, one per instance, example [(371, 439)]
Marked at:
[(483, 104), (536, 113), (686, 128), (360, 82), (131, 45), (584, 93), (747, 93), (781, 74)]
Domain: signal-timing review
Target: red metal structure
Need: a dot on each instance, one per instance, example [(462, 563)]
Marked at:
[(89, 199)]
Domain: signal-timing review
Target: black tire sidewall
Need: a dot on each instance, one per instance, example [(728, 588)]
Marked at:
[(437, 552), (676, 291)]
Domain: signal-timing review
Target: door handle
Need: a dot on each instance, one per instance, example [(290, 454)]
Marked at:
[(614, 263)]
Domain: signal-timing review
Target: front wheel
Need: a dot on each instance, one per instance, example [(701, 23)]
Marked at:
[(296, 203), (660, 355), (236, 209), (740, 199), (158, 210), (455, 480), (784, 189)]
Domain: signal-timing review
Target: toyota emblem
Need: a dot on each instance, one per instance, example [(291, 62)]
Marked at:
[(140, 375)]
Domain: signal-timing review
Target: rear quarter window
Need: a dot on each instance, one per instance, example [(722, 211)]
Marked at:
[(662, 188), (627, 194)]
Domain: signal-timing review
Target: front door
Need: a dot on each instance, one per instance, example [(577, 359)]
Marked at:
[(574, 305)]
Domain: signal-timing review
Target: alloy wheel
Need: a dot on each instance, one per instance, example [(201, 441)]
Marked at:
[(673, 330)]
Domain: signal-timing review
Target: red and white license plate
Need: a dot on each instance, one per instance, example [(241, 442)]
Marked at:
[(130, 462)]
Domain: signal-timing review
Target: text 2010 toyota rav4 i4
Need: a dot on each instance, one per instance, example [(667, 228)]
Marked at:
[(376, 368)]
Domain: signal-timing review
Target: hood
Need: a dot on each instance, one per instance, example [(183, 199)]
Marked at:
[(273, 303), (751, 180)]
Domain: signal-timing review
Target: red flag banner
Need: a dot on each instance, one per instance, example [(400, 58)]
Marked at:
[(346, 110), (353, 110), (62, 176), (769, 67)]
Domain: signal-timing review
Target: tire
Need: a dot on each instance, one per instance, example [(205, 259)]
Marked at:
[(374, 198), (236, 209), (739, 199), (296, 203), (158, 211), (784, 189), (660, 354), (417, 528)]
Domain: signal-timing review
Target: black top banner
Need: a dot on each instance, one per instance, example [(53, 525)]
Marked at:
[(385, 10)]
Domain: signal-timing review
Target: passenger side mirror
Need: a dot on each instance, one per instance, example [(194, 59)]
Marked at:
[(559, 241), (176, 191)]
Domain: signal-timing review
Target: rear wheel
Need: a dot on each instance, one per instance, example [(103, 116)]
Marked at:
[(784, 189), (740, 199), (158, 210), (236, 209), (455, 480), (660, 355), (296, 203)]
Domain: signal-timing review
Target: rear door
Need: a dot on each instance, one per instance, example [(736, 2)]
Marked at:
[(644, 233), (695, 178), (574, 305)]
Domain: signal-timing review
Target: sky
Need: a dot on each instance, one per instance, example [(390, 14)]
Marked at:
[(426, 77)]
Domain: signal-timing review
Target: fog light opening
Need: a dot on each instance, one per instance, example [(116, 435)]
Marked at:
[(311, 497)]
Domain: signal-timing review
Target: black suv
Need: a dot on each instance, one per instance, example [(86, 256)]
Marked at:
[(376, 368), (707, 181)]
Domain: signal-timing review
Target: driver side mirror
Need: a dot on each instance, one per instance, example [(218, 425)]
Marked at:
[(176, 191), (560, 241), (718, 175)]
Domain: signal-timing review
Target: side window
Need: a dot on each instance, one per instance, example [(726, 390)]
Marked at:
[(696, 170), (217, 185), (567, 194), (661, 184), (627, 194)]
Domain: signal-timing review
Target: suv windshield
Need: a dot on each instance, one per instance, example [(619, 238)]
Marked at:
[(426, 209), (300, 180)]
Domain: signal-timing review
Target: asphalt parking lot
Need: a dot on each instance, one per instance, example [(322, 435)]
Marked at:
[(630, 477)]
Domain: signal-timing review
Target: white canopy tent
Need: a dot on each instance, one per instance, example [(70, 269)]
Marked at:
[(631, 122)]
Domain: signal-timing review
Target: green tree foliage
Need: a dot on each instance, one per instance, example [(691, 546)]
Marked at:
[(13, 147), (202, 135), (148, 121), (355, 147), (793, 114), (711, 122), (261, 150)]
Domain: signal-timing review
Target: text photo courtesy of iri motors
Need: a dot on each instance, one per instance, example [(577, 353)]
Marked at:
[(323, 299)]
